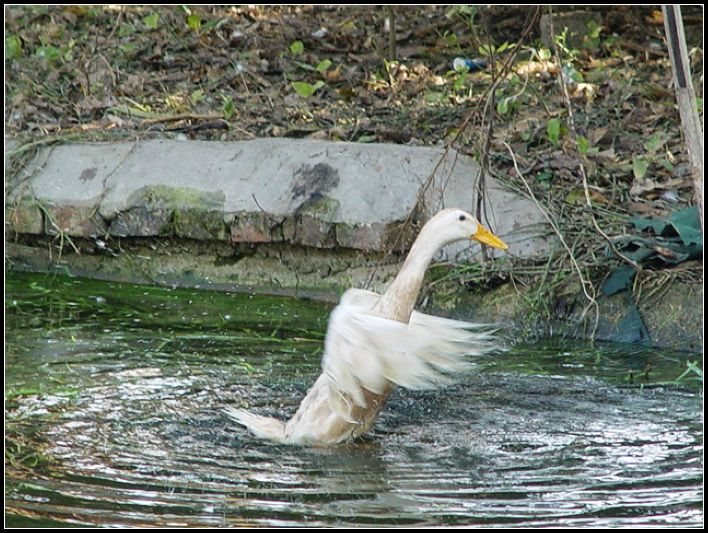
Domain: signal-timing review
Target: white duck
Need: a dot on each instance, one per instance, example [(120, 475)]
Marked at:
[(374, 343)]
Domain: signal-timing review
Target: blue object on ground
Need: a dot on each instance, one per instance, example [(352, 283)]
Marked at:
[(463, 63)]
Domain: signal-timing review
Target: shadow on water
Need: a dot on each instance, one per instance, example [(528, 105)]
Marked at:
[(113, 418)]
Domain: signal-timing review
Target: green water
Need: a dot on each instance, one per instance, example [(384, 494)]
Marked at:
[(113, 399)]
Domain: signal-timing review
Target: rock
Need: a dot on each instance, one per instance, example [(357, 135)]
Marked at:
[(203, 225), (141, 222), (309, 230), (370, 237), (73, 220), (24, 217), (256, 227), (310, 193)]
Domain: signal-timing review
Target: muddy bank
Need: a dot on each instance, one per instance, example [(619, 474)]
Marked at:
[(671, 317)]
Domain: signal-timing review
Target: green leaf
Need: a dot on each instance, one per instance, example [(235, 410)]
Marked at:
[(503, 47), (323, 65), (654, 143), (49, 52), (577, 77), (125, 30), (583, 144), (667, 165), (553, 128), (194, 22), (486, 50), (214, 23), (228, 108), (462, 11), (435, 97), (297, 47), (150, 21), (128, 49), (13, 47), (503, 106), (304, 89), (593, 29), (196, 96), (639, 167), (544, 54), (461, 82), (451, 40), (366, 138)]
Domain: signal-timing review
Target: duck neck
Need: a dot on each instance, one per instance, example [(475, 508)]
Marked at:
[(399, 300)]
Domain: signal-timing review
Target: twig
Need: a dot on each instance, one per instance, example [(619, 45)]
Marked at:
[(42, 141), (488, 111), (259, 205), (588, 288), (581, 166)]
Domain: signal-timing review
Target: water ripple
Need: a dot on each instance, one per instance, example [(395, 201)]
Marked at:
[(126, 430)]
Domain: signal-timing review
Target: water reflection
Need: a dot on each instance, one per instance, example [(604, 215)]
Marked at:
[(113, 418)]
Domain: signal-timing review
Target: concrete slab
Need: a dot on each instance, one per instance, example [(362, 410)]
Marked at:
[(314, 193)]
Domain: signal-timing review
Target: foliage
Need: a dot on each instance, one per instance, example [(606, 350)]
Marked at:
[(305, 89), (151, 20), (13, 47), (692, 372), (553, 128), (296, 48)]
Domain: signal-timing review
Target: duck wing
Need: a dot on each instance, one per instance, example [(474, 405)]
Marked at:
[(366, 351)]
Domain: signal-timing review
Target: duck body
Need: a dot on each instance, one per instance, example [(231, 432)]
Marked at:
[(376, 342)]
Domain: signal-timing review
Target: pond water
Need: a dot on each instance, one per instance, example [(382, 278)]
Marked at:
[(113, 418)]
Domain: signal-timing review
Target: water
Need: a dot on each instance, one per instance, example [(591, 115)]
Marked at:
[(113, 396)]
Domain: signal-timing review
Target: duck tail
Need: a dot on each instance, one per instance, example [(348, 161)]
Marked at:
[(263, 427)]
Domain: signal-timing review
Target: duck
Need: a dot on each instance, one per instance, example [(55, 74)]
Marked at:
[(375, 343)]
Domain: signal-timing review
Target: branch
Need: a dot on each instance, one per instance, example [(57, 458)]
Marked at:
[(588, 288), (581, 166), (686, 97)]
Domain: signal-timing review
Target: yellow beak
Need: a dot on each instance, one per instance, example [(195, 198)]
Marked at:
[(485, 236)]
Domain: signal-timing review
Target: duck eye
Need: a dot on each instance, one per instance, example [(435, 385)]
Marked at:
[(462, 217)]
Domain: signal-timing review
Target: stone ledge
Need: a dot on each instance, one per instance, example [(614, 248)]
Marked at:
[(310, 193)]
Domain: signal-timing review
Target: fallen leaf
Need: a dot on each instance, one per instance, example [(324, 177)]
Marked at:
[(553, 129), (639, 167), (656, 18), (596, 135)]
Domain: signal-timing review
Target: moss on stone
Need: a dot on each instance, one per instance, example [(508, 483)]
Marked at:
[(167, 197), (194, 223)]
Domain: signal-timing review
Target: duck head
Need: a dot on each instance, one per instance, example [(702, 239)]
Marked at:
[(453, 224)]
